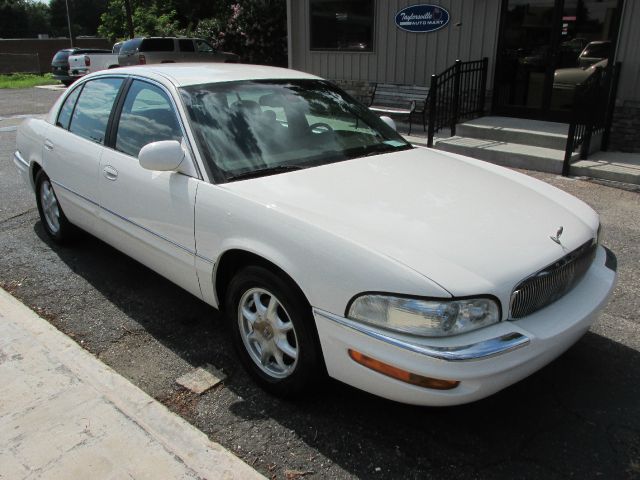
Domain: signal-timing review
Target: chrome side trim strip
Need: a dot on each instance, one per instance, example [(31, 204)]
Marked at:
[(75, 193), (17, 157), (208, 260), (462, 353), (162, 237)]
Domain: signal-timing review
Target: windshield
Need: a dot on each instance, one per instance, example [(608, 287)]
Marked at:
[(254, 128)]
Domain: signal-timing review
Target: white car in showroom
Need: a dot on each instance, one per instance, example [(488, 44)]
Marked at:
[(332, 245)]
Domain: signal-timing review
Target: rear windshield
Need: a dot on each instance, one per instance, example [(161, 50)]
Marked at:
[(130, 46), (62, 55), (157, 45)]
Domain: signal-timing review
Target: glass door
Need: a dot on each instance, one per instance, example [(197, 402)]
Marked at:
[(546, 48), (525, 57), (587, 39)]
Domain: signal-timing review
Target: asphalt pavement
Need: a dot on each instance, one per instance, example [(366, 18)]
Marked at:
[(577, 418)]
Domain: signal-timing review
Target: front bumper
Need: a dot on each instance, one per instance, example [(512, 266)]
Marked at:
[(483, 361)]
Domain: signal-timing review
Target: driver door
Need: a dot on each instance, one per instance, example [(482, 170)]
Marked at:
[(149, 214)]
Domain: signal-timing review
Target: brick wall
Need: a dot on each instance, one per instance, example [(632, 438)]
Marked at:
[(360, 90), (625, 129)]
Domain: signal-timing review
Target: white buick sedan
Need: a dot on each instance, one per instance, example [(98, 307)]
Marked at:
[(332, 245)]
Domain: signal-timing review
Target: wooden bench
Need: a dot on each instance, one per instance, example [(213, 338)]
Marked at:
[(400, 100)]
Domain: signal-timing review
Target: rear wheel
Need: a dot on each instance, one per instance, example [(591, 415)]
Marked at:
[(53, 219), (273, 332)]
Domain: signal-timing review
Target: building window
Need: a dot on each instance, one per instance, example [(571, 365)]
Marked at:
[(342, 25)]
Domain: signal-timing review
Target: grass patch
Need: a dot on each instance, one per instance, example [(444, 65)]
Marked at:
[(26, 80)]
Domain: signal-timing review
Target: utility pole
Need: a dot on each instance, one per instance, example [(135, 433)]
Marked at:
[(69, 23)]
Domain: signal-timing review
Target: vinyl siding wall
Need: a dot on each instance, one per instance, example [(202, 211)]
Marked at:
[(399, 56)]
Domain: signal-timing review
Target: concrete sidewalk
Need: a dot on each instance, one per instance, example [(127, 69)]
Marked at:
[(64, 414)]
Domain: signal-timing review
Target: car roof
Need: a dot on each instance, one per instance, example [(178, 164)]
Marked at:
[(184, 74)]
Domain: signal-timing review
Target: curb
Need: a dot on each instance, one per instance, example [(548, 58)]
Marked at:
[(179, 438)]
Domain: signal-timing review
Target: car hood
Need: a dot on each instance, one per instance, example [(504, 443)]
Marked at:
[(470, 226)]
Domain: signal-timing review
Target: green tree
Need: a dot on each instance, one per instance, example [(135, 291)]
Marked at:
[(256, 30), (85, 16), (23, 18), (149, 19)]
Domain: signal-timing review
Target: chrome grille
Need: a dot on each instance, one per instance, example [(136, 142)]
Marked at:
[(552, 282)]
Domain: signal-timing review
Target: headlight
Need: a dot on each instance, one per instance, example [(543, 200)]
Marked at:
[(427, 318)]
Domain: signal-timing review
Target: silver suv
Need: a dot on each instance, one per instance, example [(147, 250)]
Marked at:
[(140, 51)]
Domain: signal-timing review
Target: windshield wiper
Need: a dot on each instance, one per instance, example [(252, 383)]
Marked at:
[(263, 172), (376, 149)]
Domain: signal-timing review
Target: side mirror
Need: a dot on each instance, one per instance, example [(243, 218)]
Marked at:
[(163, 156), (389, 121)]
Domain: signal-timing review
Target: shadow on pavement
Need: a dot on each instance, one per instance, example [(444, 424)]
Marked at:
[(578, 417)]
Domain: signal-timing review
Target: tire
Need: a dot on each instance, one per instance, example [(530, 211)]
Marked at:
[(53, 219), (66, 83), (277, 333)]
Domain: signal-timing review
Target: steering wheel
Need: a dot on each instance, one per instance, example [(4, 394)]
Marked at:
[(321, 125)]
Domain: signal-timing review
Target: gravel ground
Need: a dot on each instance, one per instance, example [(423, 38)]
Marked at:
[(579, 417)]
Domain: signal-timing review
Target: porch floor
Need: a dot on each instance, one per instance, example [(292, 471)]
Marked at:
[(529, 144)]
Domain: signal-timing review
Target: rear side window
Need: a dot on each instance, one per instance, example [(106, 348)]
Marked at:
[(147, 116), (130, 46), (93, 108), (157, 45), (64, 116), (186, 46)]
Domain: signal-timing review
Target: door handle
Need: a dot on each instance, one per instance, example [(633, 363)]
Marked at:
[(48, 145), (110, 173)]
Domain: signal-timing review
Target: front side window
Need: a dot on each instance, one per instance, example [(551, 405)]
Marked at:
[(204, 47), (91, 115), (147, 116), (342, 25), (249, 128), (64, 116)]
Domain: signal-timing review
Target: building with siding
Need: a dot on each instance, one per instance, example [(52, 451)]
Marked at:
[(533, 47)]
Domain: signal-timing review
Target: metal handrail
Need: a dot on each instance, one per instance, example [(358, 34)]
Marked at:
[(591, 113), (457, 94)]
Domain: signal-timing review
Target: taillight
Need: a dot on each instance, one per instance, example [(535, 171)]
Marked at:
[(141, 59), (87, 61)]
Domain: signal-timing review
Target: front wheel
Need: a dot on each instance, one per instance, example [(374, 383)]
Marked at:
[(273, 332), (53, 219)]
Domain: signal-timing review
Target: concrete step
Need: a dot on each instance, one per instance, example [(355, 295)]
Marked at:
[(506, 154), (614, 166), (516, 130)]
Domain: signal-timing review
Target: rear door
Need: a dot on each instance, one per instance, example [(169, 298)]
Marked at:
[(148, 214), (72, 148)]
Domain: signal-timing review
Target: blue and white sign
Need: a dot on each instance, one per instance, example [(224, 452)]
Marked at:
[(422, 18)]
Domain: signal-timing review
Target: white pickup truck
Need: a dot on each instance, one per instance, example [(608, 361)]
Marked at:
[(80, 65)]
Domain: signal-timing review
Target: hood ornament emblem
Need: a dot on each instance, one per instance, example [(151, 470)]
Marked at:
[(558, 235)]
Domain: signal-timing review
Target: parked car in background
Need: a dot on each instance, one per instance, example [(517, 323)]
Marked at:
[(83, 63), (593, 53), (60, 62), (330, 242), (140, 51)]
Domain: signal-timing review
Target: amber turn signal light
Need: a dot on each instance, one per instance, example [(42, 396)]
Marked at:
[(402, 375)]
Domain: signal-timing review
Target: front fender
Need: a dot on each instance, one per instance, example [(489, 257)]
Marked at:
[(329, 270)]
